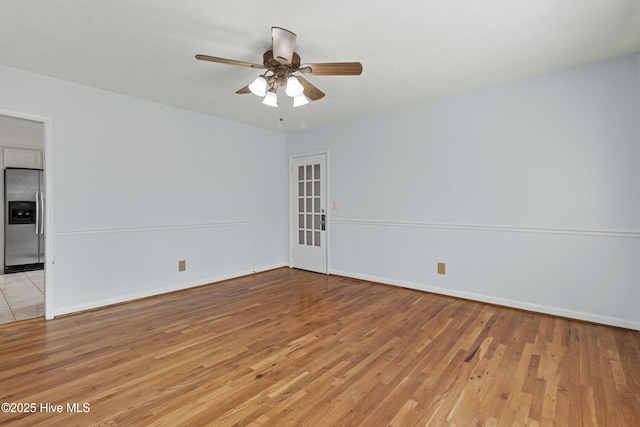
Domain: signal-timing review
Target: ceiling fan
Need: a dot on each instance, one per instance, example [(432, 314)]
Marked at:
[(280, 63)]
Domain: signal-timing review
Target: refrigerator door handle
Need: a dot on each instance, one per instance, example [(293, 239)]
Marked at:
[(41, 212), (37, 212)]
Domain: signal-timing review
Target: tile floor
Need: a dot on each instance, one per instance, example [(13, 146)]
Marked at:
[(21, 296)]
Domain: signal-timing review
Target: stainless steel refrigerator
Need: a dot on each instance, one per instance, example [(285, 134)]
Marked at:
[(24, 220)]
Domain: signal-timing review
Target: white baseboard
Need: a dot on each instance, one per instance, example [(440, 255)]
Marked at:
[(556, 311), (154, 292)]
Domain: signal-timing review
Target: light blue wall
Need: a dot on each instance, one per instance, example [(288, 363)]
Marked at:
[(527, 190), (139, 186)]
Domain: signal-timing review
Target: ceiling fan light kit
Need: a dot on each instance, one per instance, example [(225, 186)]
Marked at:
[(300, 100), (271, 99), (259, 86), (294, 88), (280, 63)]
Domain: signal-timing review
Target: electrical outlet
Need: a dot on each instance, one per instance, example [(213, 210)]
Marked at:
[(442, 268), (182, 265)]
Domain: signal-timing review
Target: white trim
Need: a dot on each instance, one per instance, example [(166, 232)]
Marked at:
[(556, 311), (328, 207), (47, 123), (155, 292), (308, 154), (289, 214), (166, 227), (506, 228)]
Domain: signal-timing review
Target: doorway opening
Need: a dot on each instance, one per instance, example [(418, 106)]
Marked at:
[(26, 288)]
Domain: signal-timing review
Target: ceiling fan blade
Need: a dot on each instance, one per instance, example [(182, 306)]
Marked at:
[(332, 69), (284, 42), (228, 61), (244, 90), (310, 91)]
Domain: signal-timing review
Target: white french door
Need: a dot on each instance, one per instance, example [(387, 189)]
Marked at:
[(308, 220)]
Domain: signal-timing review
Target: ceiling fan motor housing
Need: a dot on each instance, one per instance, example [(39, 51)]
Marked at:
[(270, 62), (280, 71)]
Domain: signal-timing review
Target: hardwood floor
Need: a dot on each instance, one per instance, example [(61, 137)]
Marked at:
[(293, 348)]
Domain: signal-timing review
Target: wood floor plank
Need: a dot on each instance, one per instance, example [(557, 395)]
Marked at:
[(293, 348)]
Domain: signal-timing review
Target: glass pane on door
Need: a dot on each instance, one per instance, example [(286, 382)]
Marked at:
[(309, 191)]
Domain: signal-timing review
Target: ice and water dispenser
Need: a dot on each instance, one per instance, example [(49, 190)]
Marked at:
[(22, 212)]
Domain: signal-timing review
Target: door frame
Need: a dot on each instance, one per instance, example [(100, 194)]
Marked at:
[(292, 197), (47, 153)]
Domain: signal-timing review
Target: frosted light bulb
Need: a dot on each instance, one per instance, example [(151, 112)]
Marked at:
[(259, 86), (294, 88), (271, 99)]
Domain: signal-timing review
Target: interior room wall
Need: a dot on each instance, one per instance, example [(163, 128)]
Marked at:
[(140, 186), (528, 191)]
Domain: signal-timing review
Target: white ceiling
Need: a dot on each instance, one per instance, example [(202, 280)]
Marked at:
[(410, 50)]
